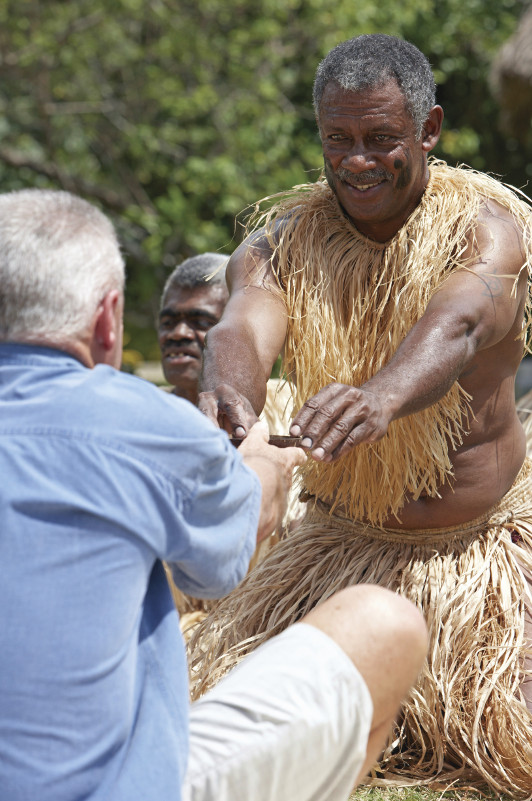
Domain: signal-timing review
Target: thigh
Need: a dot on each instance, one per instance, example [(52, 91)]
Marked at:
[(292, 720)]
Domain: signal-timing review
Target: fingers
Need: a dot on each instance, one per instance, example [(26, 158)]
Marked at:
[(260, 429), (283, 460), (338, 419), (286, 460), (257, 442), (328, 449), (228, 410), (294, 457), (208, 404), (325, 405), (327, 418), (258, 434)]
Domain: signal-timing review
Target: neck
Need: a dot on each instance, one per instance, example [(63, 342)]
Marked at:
[(79, 350), (188, 394)]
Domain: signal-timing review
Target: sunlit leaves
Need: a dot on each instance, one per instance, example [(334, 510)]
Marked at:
[(175, 115)]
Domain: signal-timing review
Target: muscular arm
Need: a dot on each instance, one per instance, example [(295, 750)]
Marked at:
[(242, 348), (473, 311)]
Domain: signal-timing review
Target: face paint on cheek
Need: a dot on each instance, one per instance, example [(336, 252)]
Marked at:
[(405, 173)]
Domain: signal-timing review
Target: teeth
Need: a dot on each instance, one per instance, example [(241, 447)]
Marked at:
[(363, 187)]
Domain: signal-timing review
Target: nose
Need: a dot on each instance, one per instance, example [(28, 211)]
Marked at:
[(358, 158), (182, 330)]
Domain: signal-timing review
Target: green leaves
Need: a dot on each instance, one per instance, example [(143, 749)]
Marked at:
[(176, 115)]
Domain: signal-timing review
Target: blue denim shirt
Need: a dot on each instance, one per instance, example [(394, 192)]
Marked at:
[(102, 476)]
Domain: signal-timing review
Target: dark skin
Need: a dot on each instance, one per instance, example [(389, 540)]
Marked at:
[(185, 317), (467, 333), (369, 151), (377, 167)]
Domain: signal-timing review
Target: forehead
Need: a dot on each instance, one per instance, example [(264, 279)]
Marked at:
[(210, 298), (379, 104)]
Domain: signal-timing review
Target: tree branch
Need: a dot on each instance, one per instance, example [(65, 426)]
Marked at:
[(71, 183)]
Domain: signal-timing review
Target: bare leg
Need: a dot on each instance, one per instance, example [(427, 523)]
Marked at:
[(385, 637)]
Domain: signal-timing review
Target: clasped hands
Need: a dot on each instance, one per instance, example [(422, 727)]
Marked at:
[(331, 423)]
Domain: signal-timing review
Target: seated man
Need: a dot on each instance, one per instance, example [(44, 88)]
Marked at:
[(104, 476)]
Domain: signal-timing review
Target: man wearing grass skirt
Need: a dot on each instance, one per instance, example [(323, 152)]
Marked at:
[(396, 288)]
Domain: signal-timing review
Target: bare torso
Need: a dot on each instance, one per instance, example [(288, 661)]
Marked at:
[(470, 333), (487, 463)]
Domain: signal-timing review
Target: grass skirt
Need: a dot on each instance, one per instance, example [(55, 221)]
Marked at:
[(465, 720)]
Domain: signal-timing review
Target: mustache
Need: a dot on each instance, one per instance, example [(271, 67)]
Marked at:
[(182, 343), (368, 177)]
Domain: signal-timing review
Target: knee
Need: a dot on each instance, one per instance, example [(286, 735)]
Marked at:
[(404, 629), (377, 628), (394, 617)]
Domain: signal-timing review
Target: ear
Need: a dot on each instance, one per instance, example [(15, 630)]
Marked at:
[(432, 128), (107, 328)]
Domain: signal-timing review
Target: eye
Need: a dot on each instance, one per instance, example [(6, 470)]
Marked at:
[(204, 323)]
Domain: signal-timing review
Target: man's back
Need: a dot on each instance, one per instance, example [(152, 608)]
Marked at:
[(95, 490)]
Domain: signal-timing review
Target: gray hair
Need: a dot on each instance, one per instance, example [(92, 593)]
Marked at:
[(59, 256), (370, 61), (206, 269)]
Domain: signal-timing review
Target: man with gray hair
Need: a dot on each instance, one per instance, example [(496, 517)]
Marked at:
[(193, 299), (396, 289), (43, 304), (103, 477)]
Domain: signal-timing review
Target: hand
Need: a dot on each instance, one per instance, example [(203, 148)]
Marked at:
[(338, 418), (274, 467), (256, 445), (228, 409)]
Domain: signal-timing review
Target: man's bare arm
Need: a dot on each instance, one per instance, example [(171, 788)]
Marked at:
[(473, 310), (242, 348)]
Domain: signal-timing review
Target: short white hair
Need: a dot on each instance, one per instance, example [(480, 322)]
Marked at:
[(59, 257)]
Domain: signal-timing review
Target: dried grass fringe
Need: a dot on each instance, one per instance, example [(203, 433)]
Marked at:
[(464, 720), (351, 302)]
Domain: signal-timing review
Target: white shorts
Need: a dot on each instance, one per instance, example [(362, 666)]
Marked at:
[(289, 723)]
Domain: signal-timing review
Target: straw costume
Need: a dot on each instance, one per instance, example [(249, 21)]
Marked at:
[(351, 302)]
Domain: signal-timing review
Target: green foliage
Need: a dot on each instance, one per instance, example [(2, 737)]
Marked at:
[(176, 115)]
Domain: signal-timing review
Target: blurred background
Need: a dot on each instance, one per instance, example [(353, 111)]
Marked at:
[(175, 115)]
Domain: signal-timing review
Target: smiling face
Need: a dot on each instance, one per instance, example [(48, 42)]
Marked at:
[(373, 162), (186, 316)]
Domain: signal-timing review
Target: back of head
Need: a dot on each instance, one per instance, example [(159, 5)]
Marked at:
[(372, 60), (204, 270), (59, 256)]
